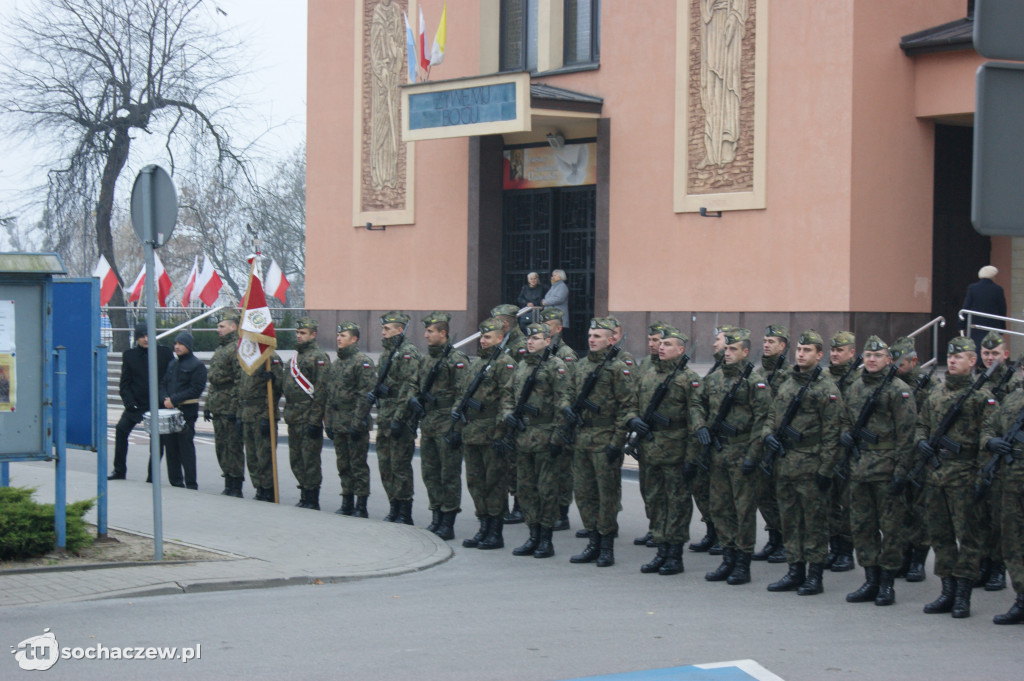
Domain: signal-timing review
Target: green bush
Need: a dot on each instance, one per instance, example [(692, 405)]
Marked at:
[(26, 527)]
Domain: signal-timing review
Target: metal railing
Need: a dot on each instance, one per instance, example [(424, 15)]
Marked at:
[(190, 315), (934, 325), (971, 314)]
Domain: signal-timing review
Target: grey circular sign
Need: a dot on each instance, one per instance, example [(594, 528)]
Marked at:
[(154, 205)]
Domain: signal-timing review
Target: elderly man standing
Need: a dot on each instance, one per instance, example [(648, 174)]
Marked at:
[(558, 295), (180, 388)]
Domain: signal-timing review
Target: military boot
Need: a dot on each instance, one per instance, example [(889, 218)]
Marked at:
[(642, 541), (916, 572), (908, 557), (962, 598), (303, 498), (886, 592), (724, 569), (869, 589), (545, 549), (530, 545), (494, 539), (313, 498), (606, 556), (944, 603), (404, 516), (360, 510), (260, 494), (589, 554), (984, 573), (435, 520), (844, 556), (515, 516), (446, 529), (813, 585), (741, 573), (997, 580), (346, 505), (236, 488), (228, 486), (474, 541), (709, 540), (673, 560), (657, 561), (779, 554), (393, 513), (563, 519), (791, 580), (268, 494), (833, 551), (1015, 615), (774, 542)]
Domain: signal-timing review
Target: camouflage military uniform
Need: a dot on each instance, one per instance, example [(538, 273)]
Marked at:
[(222, 400), (839, 528), (395, 444), (304, 447), (563, 464), (253, 410), (648, 365), (515, 348), (772, 372)]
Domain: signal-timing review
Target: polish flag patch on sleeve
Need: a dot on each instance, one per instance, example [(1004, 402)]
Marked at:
[(460, 365)]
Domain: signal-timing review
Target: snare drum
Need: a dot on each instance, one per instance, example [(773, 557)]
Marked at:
[(168, 421)]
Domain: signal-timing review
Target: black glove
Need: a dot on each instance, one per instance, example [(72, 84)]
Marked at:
[(555, 449), (689, 471), (980, 492), (998, 445), (703, 436), (571, 417), (207, 415), (313, 430), (514, 422), (267, 376), (924, 448), (329, 432), (824, 482), (748, 467), (265, 427), (455, 440), (499, 447), (639, 426), (772, 443), (455, 415), (356, 434), (898, 486), (416, 407), (846, 440), (612, 452), (396, 428)]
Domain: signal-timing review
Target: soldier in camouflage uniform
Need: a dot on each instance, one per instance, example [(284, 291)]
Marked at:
[(994, 349), (647, 365), (552, 318), (255, 417), (804, 469), (222, 405), (536, 444), (665, 449), (772, 372), (515, 347), (440, 464), (951, 514), (995, 439), (734, 487), (486, 464), (597, 450), (305, 422), (395, 444), (878, 478), (718, 347), (844, 369), (341, 403)]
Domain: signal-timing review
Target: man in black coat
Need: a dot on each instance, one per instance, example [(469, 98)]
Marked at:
[(134, 390), (180, 389), (986, 296)]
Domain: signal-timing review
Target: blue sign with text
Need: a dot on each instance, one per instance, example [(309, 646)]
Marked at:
[(466, 106)]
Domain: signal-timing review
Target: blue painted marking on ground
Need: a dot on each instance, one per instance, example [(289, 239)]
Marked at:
[(726, 672)]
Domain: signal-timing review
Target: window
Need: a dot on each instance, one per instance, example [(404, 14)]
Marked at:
[(518, 35), (582, 32)]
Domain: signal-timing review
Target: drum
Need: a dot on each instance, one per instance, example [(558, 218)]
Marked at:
[(168, 421)]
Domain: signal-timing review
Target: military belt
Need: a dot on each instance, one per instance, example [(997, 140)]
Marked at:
[(441, 403), (598, 422)]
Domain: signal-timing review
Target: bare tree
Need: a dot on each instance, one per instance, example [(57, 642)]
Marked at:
[(89, 75), (278, 210)]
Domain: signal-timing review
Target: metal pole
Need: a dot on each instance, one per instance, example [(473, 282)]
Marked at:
[(192, 321), (100, 427), (149, 229), (60, 498)]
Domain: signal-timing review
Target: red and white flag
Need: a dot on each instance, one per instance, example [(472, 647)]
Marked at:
[(277, 285), (108, 280), (162, 279), (422, 43), (257, 340), (186, 295), (208, 283)]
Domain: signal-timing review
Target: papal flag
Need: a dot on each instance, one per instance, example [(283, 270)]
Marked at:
[(256, 338)]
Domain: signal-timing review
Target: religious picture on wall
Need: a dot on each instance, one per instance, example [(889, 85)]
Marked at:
[(8, 382)]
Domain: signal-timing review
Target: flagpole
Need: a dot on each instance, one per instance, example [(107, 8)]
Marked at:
[(273, 434)]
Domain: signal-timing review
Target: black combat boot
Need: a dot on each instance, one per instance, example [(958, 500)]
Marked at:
[(303, 498), (268, 494), (494, 539), (869, 589), (545, 549), (944, 603), (779, 554), (833, 551), (582, 533), (642, 541), (563, 519), (435, 520), (393, 513), (229, 485), (1015, 615), (774, 542), (886, 592), (404, 516), (791, 580), (233, 487), (709, 540), (346, 505), (844, 556), (474, 541), (984, 572), (657, 561), (446, 529), (360, 510), (741, 573), (724, 569), (515, 516), (916, 573), (530, 546), (259, 496), (589, 554), (996, 580), (813, 585), (313, 498), (606, 556), (908, 556), (962, 599), (673, 560)]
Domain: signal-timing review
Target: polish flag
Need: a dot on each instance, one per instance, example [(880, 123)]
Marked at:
[(108, 280), (424, 62), (277, 285), (208, 283), (162, 279), (186, 295)]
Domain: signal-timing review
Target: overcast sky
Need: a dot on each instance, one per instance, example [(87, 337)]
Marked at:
[(274, 33)]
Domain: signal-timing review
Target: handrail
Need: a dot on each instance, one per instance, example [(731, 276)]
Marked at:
[(934, 325), (190, 322), (473, 337), (971, 325)]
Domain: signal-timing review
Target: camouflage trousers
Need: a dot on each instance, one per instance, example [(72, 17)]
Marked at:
[(598, 480), (641, 478), (803, 511), (700, 488), (486, 478), (1012, 516), (990, 512), (877, 517), (441, 468), (304, 455), (953, 530), (734, 500), (839, 522), (227, 441), (353, 470), (563, 464), (668, 504), (768, 502), (537, 487), (915, 529), (257, 455), (394, 459)]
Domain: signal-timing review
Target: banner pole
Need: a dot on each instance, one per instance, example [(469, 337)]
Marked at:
[(273, 434)]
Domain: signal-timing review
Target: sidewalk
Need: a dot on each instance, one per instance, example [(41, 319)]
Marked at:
[(270, 545)]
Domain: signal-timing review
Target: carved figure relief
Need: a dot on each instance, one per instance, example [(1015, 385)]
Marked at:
[(721, 46)]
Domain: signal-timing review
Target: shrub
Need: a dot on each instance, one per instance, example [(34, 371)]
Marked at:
[(26, 527)]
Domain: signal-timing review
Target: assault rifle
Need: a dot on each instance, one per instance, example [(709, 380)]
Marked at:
[(1011, 369), (938, 438), (849, 372), (574, 417), (382, 389), (784, 432), (778, 365), (718, 363), (523, 407), (719, 425), (924, 380), (1014, 436), (467, 401), (860, 431), (651, 416), (418, 403)]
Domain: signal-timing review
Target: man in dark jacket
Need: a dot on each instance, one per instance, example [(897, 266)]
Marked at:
[(134, 389), (180, 389), (986, 296)]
